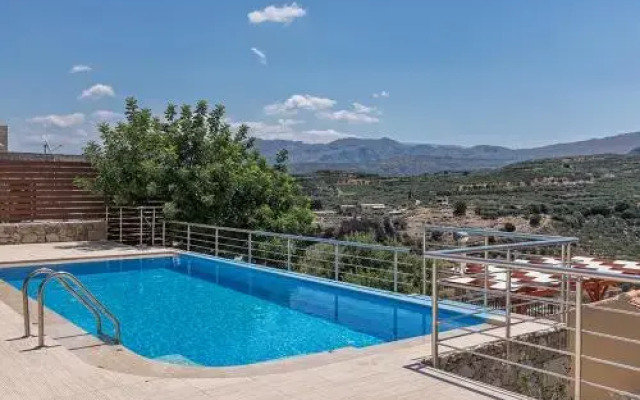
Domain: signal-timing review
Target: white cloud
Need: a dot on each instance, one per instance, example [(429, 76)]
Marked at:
[(349, 116), (79, 68), (67, 140), (383, 94), (264, 130), (290, 122), (97, 91), (284, 14), (59, 121), (300, 101), (322, 136), (361, 108), (106, 116), (284, 130), (261, 56)]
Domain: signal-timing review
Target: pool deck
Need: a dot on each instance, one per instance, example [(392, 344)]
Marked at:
[(63, 372), (15, 254)]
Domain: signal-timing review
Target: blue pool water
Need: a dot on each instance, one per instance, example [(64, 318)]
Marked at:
[(218, 313)]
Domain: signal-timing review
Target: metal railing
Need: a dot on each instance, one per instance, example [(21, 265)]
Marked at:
[(392, 268), (138, 226), (82, 294), (501, 281)]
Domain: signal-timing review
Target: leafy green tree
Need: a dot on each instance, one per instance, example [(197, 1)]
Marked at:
[(200, 168)]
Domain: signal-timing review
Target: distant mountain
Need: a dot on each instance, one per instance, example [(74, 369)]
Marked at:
[(389, 157)]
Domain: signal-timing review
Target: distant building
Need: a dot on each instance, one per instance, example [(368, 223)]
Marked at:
[(4, 139), (354, 182), (373, 206), (347, 207), (325, 212), (442, 200)]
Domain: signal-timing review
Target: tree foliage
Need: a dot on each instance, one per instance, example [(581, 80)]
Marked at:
[(364, 266), (200, 168), (459, 208)]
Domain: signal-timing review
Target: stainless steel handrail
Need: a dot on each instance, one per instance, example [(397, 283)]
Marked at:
[(508, 246), (550, 269), (474, 231), (295, 237), (60, 275), (69, 288), (25, 297)]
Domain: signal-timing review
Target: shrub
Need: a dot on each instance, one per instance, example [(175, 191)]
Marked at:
[(535, 220), (509, 227), (630, 213), (621, 206), (460, 208), (316, 204)]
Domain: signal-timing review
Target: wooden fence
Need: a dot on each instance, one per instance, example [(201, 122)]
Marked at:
[(32, 190)]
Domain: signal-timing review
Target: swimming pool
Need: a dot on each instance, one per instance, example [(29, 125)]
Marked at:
[(192, 309)]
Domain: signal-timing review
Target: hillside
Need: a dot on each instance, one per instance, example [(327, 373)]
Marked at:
[(594, 197), (389, 157)]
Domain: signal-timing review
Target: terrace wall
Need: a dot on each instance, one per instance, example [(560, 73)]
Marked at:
[(520, 380), (37, 187), (53, 231)]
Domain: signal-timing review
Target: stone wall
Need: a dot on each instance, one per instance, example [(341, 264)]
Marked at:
[(53, 231), (516, 379)]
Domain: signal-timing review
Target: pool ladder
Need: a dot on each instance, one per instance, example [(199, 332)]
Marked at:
[(80, 292)]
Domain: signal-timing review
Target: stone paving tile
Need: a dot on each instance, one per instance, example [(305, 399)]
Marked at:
[(248, 391), (206, 384)]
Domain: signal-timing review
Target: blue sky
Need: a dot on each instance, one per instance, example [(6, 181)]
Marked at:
[(501, 72)]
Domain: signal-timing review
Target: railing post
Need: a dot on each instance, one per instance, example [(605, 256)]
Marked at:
[(188, 237), (216, 241), (336, 262), (250, 248), (486, 275), (424, 262), (578, 341), (563, 294), (288, 254), (141, 232), (395, 270), (153, 227), (164, 232), (434, 313), (120, 227), (106, 222), (508, 307), (568, 279)]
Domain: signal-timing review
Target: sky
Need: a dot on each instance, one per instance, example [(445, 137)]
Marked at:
[(463, 72)]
